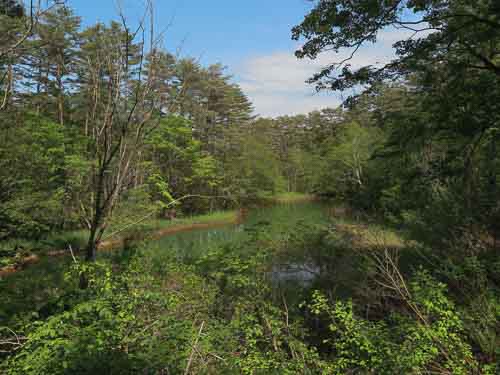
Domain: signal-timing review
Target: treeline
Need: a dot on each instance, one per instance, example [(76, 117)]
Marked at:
[(416, 155), (100, 124)]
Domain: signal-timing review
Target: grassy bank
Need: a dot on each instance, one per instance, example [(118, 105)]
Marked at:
[(214, 217), (157, 228), (289, 197), (17, 253), (369, 235), (292, 197)]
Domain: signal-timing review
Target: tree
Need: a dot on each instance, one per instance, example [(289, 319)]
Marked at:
[(32, 173), (253, 170), (11, 8), (120, 114), (18, 24), (452, 55), (176, 158), (49, 70), (457, 32)]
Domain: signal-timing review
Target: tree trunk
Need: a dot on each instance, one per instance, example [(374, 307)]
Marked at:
[(99, 210), (91, 249), (60, 96)]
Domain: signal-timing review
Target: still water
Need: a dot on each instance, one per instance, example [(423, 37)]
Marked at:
[(273, 220), (276, 219)]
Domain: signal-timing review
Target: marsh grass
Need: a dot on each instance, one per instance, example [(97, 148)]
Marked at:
[(370, 235), (150, 226), (293, 197)]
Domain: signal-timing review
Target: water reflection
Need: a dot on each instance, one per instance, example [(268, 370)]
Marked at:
[(269, 221), (302, 274)]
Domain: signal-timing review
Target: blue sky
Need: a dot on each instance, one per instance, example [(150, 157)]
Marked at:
[(220, 30), (251, 37)]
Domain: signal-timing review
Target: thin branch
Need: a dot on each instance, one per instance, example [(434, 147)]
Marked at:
[(142, 219), (195, 344), (70, 248)]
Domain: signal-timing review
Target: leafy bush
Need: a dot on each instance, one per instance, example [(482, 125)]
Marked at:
[(429, 337)]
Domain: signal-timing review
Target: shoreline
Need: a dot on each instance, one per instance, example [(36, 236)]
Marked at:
[(238, 217)]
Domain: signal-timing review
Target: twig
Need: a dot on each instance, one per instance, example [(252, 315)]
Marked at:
[(72, 254), (14, 344), (175, 201), (191, 356)]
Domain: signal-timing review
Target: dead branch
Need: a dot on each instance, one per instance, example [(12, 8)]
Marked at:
[(195, 344), (13, 343)]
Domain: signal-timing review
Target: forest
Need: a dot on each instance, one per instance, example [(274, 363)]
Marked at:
[(152, 223)]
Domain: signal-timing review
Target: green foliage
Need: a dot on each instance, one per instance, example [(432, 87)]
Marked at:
[(460, 33), (347, 156), (433, 340), (357, 344), (117, 325), (145, 311), (255, 173), (33, 164), (159, 188)]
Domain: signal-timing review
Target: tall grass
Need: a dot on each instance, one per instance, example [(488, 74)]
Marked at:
[(291, 197)]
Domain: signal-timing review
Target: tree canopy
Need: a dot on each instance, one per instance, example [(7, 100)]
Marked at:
[(457, 33)]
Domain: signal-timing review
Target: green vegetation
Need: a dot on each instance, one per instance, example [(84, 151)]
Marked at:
[(395, 270), (242, 313), (292, 197), (30, 251), (213, 217)]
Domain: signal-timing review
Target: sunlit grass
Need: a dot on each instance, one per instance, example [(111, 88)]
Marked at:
[(215, 216), (156, 224), (291, 197), (370, 235)]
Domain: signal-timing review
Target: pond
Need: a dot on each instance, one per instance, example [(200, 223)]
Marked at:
[(277, 218)]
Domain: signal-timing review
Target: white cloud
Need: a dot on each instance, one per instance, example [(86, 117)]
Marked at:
[(276, 83)]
